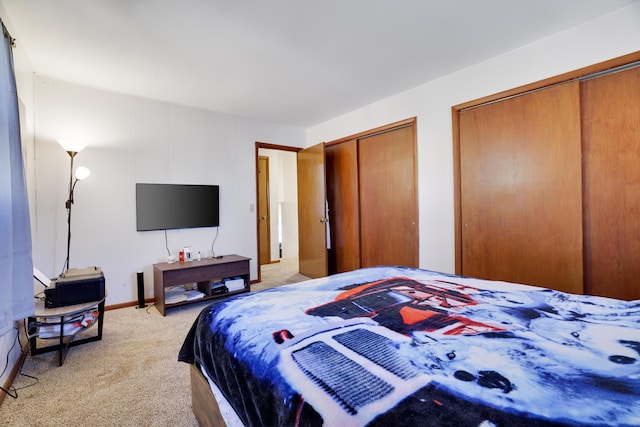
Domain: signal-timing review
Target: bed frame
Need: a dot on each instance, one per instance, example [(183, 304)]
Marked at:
[(204, 404)]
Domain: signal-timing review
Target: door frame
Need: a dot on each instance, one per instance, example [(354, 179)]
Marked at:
[(268, 146), (410, 122), (264, 224)]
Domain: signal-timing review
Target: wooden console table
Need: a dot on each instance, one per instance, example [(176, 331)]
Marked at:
[(203, 272)]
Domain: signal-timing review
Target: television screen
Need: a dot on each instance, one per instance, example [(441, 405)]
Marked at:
[(169, 206)]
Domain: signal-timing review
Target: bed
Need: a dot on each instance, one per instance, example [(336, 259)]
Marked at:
[(398, 346)]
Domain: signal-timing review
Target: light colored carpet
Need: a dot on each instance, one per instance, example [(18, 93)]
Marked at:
[(129, 378), (279, 273)]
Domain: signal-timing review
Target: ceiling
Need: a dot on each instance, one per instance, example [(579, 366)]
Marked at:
[(295, 62)]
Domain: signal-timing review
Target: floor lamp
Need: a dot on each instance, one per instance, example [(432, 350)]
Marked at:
[(81, 173)]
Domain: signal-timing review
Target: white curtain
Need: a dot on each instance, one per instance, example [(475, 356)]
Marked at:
[(16, 265)]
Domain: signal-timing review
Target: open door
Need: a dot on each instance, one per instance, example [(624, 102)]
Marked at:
[(264, 209), (312, 220)]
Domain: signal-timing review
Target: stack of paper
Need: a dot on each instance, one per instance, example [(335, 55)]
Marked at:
[(174, 295), (193, 294), (235, 284)]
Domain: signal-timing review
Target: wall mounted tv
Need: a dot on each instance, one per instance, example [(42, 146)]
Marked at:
[(170, 206)]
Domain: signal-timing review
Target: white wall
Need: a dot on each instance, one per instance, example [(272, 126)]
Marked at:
[(610, 36), (137, 140), (283, 201), (133, 140)]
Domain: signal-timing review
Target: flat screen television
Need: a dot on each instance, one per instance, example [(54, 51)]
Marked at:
[(170, 206)]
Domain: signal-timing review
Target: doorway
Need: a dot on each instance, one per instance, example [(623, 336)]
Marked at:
[(264, 211), (276, 209)]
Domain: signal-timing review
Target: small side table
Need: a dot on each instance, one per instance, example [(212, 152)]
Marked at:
[(62, 316)]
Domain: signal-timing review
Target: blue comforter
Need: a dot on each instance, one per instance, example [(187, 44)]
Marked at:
[(397, 346)]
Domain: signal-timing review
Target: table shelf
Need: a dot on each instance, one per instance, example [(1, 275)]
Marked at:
[(202, 273), (64, 315)]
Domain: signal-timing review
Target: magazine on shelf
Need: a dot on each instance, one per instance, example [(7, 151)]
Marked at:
[(181, 294), (234, 284), (52, 330)]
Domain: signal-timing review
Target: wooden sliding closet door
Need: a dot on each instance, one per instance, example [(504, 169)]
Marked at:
[(388, 198), (611, 141), (520, 195), (343, 198)]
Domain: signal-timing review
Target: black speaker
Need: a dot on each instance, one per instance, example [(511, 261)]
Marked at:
[(141, 303)]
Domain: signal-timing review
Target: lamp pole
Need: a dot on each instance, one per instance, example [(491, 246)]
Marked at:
[(72, 149), (68, 204)]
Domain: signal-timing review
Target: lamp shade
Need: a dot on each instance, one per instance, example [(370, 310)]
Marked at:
[(73, 146), (82, 172)]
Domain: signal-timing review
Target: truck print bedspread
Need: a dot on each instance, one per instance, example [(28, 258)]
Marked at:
[(392, 346)]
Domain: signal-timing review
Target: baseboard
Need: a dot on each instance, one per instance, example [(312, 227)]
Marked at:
[(127, 304), (14, 371)]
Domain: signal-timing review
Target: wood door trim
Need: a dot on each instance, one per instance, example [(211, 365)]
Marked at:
[(391, 126), (258, 146), (269, 146), (456, 109), (406, 123), (561, 78)]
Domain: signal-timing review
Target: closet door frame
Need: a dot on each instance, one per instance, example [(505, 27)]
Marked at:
[(456, 109), (411, 122)]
